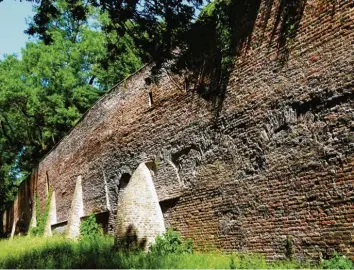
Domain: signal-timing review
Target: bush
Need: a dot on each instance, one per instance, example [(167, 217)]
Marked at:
[(89, 227), (171, 243), (338, 262)]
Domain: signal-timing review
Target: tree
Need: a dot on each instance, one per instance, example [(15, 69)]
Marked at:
[(157, 27), (45, 93), (83, 47)]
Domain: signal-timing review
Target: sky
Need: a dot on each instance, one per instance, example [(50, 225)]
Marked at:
[(13, 14)]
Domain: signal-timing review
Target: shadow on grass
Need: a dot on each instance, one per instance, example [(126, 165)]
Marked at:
[(130, 241)]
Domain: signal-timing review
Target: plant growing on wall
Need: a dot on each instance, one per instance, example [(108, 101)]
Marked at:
[(289, 247), (338, 261), (171, 242), (41, 218), (219, 35), (89, 227)]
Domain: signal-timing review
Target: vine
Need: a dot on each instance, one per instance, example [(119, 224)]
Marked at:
[(289, 247), (89, 227), (41, 218)]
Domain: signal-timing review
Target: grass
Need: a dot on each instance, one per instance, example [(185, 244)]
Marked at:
[(58, 252), (98, 252)]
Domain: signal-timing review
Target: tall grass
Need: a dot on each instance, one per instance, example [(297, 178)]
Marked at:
[(57, 252), (99, 252)]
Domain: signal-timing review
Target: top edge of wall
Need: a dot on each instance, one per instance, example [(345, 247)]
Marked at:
[(99, 101)]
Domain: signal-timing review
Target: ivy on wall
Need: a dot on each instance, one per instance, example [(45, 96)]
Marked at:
[(41, 218)]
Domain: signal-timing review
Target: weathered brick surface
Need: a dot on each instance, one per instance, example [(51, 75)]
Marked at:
[(278, 162), (22, 209)]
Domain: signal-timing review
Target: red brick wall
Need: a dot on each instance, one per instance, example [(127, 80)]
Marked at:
[(277, 163), (21, 210)]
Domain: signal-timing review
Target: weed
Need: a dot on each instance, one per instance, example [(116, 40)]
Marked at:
[(232, 262), (171, 243), (89, 228), (338, 262)]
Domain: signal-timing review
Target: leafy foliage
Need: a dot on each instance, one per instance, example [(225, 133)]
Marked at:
[(171, 243), (89, 227), (156, 26), (44, 94), (338, 262), (41, 218), (289, 248), (232, 262), (247, 261)]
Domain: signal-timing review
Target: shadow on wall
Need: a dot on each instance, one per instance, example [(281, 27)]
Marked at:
[(130, 240), (123, 182), (168, 205), (223, 33), (288, 20)]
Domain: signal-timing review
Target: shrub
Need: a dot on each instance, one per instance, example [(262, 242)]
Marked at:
[(338, 262), (89, 227), (171, 243)]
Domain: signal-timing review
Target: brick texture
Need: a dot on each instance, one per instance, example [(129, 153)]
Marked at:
[(139, 215), (278, 161)]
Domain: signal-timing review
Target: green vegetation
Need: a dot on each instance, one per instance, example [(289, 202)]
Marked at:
[(44, 93), (157, 26), (41, 218), (169, 251), (89, 228), (171, 243), (338, 262), (98, 252), (55, 252)]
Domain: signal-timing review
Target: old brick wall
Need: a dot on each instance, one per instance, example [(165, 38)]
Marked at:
[(112, 140), (278, 162), (18, 217)]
